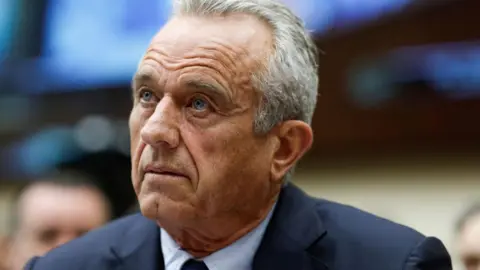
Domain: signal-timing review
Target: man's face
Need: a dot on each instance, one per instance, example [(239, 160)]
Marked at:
[(195, 156), (50, 216), (468, 244)]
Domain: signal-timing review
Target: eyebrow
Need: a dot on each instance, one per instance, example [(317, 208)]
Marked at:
[(140, 77), (211, 89)]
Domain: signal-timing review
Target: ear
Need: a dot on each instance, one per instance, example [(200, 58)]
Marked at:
[(294, 140)]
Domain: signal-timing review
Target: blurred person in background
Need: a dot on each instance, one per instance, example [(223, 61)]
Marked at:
[(468, 237), (53, 211), (110, 171), (223, 101), (4, 250)]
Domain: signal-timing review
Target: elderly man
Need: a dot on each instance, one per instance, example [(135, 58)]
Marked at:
[(223, 99), (52, 212), (468, 238)]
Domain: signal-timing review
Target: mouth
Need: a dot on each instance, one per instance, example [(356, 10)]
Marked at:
[(164, 171)]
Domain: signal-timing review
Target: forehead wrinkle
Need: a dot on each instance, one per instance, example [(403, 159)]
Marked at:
[(161, 57), (196, 60), (198, 67), (225, 54), (224, 51), (240, 52), (236, 55), (237, 60), (196, 70), (209, 59), (217, 58)]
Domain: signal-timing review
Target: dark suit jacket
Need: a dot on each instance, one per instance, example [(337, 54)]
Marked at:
[(304, 234)]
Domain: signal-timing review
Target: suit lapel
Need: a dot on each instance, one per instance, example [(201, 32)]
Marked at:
[(139, 247), (294, 229)]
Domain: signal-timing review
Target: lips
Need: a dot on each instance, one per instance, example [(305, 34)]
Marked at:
[(164, 170)]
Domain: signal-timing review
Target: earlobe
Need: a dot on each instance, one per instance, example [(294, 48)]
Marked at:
[(295, 139)]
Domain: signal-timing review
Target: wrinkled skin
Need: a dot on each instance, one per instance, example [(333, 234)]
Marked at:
[(198, 168)]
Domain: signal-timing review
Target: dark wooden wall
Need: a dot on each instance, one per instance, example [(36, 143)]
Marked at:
[(341, 128)]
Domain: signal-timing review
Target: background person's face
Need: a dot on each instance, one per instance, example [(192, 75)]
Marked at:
[(468, 242), (4, 250), (51, 216), (192, 118)]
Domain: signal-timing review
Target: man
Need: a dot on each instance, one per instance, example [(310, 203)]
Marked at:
[(468, 238), (52, 212), (223, 99)]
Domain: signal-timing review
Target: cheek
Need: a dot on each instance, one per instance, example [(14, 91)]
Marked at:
[(135, 123), (201, 148), (220, 157)]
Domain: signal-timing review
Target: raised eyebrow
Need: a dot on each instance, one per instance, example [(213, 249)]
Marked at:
[(141, 77), (211, 88)]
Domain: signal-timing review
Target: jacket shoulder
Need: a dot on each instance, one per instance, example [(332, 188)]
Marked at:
[(361, 237), (361, 224), (91, 249)]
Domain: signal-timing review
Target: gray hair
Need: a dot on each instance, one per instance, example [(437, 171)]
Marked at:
[(289, 82)]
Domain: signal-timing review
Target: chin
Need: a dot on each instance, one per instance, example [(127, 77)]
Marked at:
[(160, 208), (149, 206)]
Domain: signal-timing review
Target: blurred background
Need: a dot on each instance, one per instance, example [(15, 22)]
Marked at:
[(397, 129)]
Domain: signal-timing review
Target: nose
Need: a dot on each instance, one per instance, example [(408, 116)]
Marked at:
[(161, 128)]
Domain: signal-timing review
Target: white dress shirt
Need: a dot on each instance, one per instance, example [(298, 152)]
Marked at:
[(237, 256)]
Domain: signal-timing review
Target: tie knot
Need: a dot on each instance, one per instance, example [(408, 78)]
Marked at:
[(194, 265)]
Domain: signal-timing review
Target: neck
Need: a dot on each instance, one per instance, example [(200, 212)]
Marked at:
[(213, 234)]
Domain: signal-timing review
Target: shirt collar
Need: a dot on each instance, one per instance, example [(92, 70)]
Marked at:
[(239, 255)]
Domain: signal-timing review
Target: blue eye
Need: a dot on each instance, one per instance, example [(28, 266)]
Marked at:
[(146, 95), (199, 104)]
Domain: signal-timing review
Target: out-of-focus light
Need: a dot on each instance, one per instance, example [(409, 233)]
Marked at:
[(318, 16), (122, 140), (42, 151), (456, 72), (8, 10), (14, 113), (369, 85), (94, 133), (450, 69)]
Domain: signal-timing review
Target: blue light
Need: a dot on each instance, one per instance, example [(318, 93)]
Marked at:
[(8, 9), (41, 152), (99, 43), (451, 69), (94, 44)]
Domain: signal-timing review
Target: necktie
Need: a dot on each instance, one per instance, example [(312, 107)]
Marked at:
[(194, 265)]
